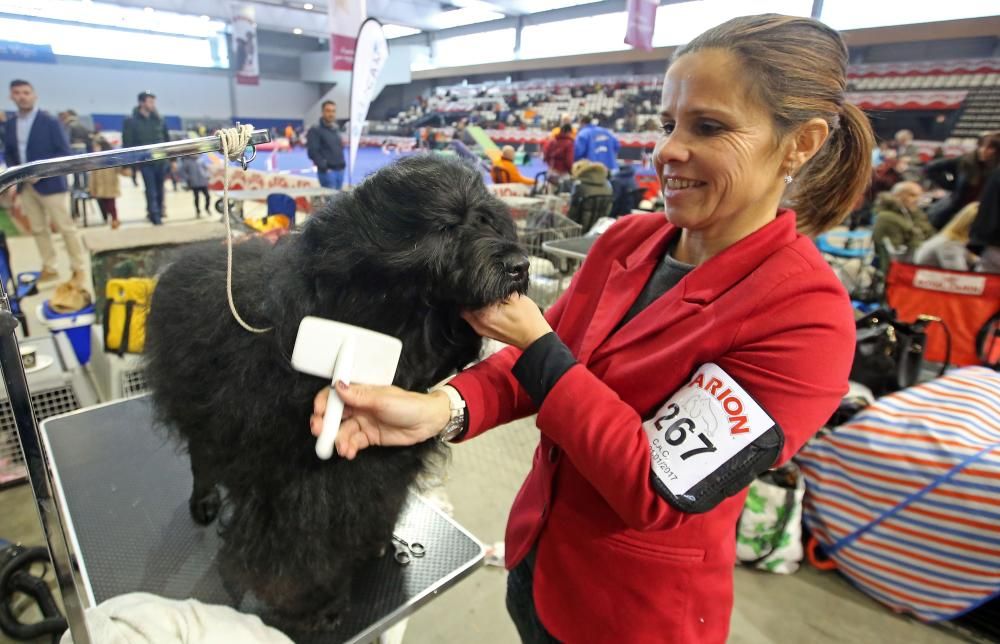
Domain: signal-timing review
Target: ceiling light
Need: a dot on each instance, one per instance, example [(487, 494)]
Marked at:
[(549, 5), (148, 9), (204, 17), (465, 16), (308, 6), (297, 31), (398, 31)]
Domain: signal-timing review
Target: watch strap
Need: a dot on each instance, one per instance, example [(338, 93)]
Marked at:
[(456, 424)]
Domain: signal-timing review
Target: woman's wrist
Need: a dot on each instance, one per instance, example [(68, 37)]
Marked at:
[(440, 412), (533, 336)]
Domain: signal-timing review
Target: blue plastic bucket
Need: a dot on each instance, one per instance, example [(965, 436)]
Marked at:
[(76, 327)]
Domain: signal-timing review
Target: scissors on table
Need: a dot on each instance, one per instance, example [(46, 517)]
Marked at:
[(406, 552)]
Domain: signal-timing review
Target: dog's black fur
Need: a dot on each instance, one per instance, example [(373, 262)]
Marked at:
[(410, 248)]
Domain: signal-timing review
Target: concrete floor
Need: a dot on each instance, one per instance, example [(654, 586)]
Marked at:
[(481, 481)]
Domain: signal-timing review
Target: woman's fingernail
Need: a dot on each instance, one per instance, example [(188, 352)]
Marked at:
[(341, 385)]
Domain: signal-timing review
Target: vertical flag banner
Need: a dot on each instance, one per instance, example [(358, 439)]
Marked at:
[(244, 44), (370, 55), (641, 20), (344, 17)]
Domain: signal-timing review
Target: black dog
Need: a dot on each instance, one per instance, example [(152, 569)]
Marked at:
[(410, 248)]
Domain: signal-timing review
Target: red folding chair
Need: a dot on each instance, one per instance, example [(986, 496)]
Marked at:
[(965, 302)]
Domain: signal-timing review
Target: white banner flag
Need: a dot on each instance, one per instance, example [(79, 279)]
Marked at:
[(370, 55), (244, 43), (344, 18)]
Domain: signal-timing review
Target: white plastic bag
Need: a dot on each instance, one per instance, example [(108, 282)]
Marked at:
[(769, 533)]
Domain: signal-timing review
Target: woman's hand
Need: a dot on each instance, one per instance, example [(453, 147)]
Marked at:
[(517, 322), (387, 416)]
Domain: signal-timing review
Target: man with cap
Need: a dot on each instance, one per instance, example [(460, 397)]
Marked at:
[(146, 127)]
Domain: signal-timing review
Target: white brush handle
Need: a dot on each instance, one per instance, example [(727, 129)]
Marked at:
[(334, 405)]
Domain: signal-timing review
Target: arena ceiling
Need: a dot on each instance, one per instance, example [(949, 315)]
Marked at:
[(425, 15)]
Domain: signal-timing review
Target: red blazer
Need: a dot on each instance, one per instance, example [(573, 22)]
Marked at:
[(615, 561)]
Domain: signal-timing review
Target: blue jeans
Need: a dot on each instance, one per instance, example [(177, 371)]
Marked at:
[(331, 179), (153, 176)]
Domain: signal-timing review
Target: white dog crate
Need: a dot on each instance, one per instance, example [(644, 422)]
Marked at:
[(116, 376), (54, 390)]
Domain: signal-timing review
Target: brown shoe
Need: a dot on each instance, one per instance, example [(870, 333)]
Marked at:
[(77, 278), (115, 224), (46, 275)]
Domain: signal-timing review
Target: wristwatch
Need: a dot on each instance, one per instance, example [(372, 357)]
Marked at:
[(456, 423)]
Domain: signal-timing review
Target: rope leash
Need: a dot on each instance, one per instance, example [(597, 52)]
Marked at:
[(233, 141)]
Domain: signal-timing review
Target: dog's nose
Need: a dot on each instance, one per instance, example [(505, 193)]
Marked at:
[(517, 267)]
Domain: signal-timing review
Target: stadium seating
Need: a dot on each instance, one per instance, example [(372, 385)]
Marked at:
[(525, 111)]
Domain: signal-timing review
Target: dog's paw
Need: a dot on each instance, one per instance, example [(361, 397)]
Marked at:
[(329, 617), (205, 507)]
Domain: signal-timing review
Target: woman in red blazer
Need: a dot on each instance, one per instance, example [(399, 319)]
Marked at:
[(690, 354)]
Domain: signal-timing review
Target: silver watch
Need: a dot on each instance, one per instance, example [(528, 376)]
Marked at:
[(456, 423)]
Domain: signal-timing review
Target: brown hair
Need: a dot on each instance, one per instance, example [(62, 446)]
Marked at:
[(991, 140), (797, 69), (958, 228)]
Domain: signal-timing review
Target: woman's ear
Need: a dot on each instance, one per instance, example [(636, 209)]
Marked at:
[(808, 139)]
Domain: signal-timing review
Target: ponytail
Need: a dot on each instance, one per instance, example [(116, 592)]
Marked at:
[(828, 188)]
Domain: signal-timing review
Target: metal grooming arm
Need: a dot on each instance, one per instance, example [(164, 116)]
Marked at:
[(13, 371)]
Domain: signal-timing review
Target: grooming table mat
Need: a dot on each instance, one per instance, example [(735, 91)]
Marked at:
[(572, 248), (123, 488)]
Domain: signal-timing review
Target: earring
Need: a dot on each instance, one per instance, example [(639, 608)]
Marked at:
[(788, 179)]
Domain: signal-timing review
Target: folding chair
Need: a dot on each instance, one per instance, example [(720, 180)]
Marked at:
[(499, 175), (541, 184), (988, 343), (21, 286), (591, 209), (967, 303), (80, 197)]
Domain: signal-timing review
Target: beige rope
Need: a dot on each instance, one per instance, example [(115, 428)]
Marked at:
[(233, 141)]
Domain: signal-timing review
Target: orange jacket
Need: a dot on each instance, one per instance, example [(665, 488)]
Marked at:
[(505, 171), (615, 561)]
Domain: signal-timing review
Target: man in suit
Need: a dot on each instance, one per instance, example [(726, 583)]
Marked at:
[(33, 135)]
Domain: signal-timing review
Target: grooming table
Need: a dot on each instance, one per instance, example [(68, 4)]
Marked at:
[(123, 489), (572, 248)]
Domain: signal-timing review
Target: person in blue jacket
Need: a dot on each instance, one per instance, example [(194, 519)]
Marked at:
[(596, 144)]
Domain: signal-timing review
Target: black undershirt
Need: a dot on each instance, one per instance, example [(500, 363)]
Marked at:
[(545, 361)]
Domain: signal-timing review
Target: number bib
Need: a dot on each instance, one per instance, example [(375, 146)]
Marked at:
[(709, 440)]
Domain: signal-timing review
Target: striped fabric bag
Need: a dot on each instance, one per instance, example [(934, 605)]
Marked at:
[(905, 497)]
